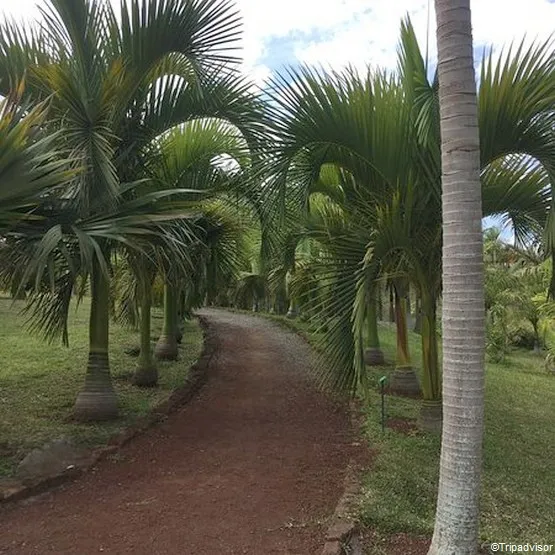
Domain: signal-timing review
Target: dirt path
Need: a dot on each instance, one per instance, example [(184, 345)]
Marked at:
[(250, 466)]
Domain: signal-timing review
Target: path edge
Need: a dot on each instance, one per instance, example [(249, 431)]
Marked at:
[(343, 532), (342, 536), (197, 377)]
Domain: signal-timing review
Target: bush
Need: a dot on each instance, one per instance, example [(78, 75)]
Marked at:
[(497, 345), (522, 336)]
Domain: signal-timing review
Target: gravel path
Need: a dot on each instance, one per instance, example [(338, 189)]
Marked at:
[(253, 465)]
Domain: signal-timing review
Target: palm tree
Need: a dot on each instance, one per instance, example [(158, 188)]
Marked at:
[(382, 135), (457, 517), (116, 84), (190, 158), (30, 167)]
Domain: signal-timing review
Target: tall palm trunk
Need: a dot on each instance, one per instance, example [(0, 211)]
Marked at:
[(97, 400), (379, 304), (179, 312), (417, 315), (431, 410), (457, 518), (166, 347), (373, 355), (146, 374), (403, 380), (293, 310), (391, 305)]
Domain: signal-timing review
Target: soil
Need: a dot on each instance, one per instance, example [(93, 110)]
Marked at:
[(253, 465), (397, 544), (389, 391)]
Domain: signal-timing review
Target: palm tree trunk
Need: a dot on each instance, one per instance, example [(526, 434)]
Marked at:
[(457, 517), (146, 374), (417, 315), (179, 314), (97, 400), (431, 410), (379, 304), (373, 355), (292, 311), (391, 305), (166, 347), (403, 380)]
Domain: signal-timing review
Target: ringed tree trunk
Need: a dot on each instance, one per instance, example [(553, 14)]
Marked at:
[(457, 517), (97, 400), (431, 410), (391, 305), (146, 374), (379, 304), (418, 315), (166, 347), (292, 311), (179, 312), (403, 380), (293, 308), (373, 355)]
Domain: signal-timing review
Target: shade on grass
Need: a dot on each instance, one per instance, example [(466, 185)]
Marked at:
[(39, 382)]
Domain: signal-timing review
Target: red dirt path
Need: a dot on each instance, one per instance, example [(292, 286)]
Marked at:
[(253, 465)]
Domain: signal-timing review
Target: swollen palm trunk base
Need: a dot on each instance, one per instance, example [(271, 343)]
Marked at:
[(166, 348), (405, 382), (374, 357), (146, 376), (97, 400), (431, 416), (179, 334)]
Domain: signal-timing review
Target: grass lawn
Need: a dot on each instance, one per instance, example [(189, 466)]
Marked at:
[(519, 459), (39, 382)]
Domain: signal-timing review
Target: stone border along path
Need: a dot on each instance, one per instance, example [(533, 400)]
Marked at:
[(254, 464)]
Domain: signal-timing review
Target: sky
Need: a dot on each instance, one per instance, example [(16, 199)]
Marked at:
[(334, 33)]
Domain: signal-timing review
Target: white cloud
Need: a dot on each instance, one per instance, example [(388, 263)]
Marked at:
[(264, 19), (373, 36), (260, 73), (21, 8)]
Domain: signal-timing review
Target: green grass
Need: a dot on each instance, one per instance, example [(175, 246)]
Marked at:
[(519, 458), (39, 382)]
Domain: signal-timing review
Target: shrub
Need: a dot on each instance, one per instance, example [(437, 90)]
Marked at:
[(497, 345), (521, 336)]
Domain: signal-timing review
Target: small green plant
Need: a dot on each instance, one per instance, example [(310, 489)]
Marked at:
[(522, 336), (497, 344), (550, 361)]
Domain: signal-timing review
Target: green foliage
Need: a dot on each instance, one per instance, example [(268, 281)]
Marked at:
[(30, 166), (550, 361), (38, 382), (497, 341), (400, 487), (114, 86), (521, 336)]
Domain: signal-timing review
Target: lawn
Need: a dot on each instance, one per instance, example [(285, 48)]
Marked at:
[(519, 459), (39, 382)]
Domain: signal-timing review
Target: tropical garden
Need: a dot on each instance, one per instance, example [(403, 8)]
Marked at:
[(142, 176)]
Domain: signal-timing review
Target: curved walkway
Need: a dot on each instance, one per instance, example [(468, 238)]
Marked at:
[(253, 465)]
